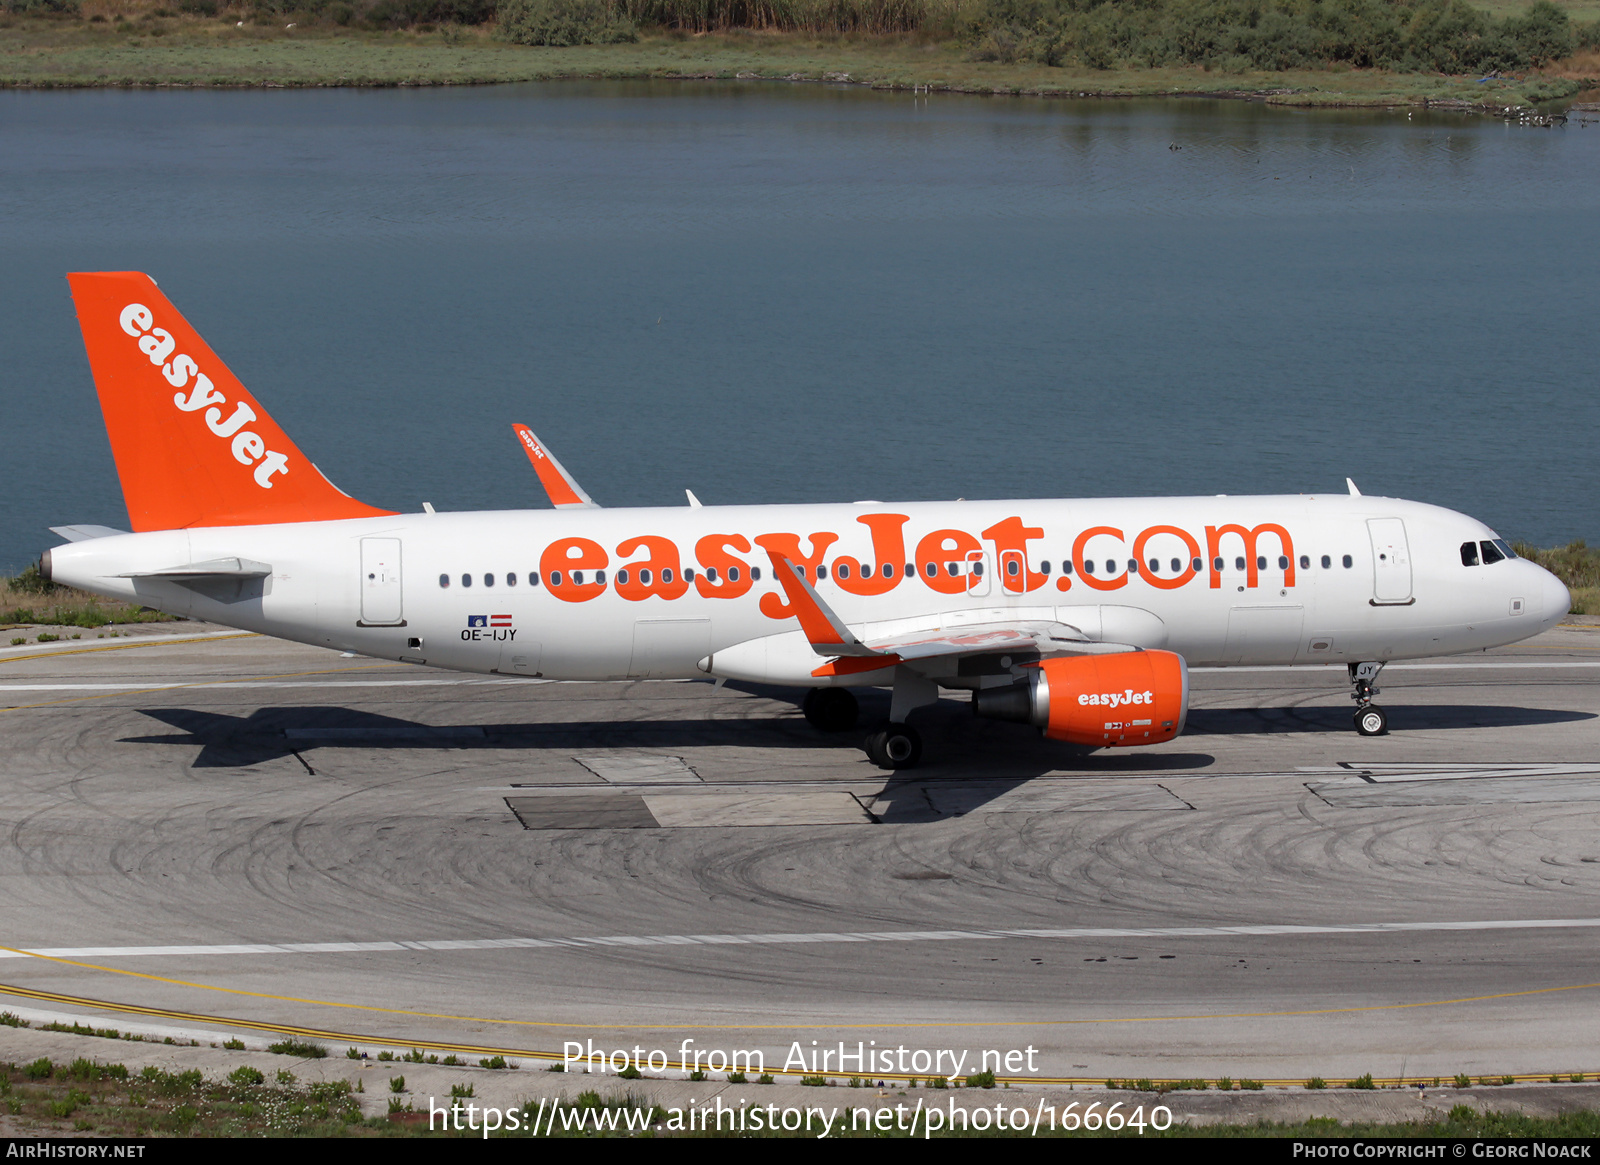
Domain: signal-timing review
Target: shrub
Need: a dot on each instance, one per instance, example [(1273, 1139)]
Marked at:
[(397, 1084), (737, 1078), (1463, 1080), (40, 1069), (981, 1080), (233, 1045), (1362, 1081), (1249, 1085), (304, 1050), (764, 1078), (246, 1075), (562, 23), (493, 1062), (1316, 1082)]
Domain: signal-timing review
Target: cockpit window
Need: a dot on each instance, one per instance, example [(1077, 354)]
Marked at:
[(1469, 554), (1491, 553), (1505, 548)]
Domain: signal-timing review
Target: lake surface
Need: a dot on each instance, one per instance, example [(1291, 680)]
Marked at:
[(774, 293)]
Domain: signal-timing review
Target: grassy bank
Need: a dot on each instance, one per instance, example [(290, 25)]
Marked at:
[(29, 602), (84, 1096), (146, 44)]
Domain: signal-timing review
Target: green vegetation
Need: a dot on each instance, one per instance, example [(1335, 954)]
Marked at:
[(29, 599), (1576, 565), (1307, 52), (300, 1048)]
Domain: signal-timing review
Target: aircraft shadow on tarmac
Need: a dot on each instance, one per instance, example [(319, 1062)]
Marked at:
[(1402, 718)]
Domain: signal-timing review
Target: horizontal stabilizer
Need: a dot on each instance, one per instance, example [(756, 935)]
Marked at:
[(84, 533), (213, 568), (562, 488)]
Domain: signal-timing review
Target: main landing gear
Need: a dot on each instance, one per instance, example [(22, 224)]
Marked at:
[(1371, 720), (895, 746)]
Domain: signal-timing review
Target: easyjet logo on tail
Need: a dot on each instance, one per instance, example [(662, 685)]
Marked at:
[(246, 445)]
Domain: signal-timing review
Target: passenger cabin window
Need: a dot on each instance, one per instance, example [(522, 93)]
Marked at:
[(1491, 553), (533, 578), (466, 580), (1155, 565), (1261, 562), (1348, 562), (1469, 554), (444, 581), (711, 575), (666, 574), (977, 569), (755, 572), (1305, 562), (688, 574), (1283, 562), (1088, 566), (1216, 565), (511, 579), (1198, 566), (622, 578), (488, 580), (1044, 567), (577, 578), (931, 568), (733, 574), (1011, 567), (1238, 564), (841, 569), (555, 578), (1133, 566), (1066, 566), (1327, 562), (1111, 566)]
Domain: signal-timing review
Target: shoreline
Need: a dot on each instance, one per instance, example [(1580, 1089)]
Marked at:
[(191, 54)]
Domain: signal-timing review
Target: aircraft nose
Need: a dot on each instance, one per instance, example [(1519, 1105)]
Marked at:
[(1557, 599)]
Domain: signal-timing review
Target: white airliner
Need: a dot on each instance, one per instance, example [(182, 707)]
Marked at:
[(1077, 616)]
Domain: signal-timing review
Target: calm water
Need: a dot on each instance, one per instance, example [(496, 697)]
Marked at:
[(774, 293)]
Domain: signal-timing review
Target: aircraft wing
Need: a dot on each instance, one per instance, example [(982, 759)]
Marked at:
[(848, 654), (562, 488)]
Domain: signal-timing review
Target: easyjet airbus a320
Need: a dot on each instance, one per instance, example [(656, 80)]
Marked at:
[(1079, 617)]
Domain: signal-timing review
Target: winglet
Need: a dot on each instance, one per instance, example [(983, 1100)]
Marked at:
[(564, 492), (1354, 492), (824, 630)]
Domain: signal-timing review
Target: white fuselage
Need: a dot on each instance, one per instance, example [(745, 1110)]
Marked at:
[(437, 588)]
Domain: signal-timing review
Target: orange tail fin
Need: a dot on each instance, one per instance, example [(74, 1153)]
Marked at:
[(193, 447)]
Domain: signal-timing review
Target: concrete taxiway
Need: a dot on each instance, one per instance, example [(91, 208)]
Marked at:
[(266, 834)]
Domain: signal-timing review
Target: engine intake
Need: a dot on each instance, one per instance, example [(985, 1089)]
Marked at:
[(1107, 701)]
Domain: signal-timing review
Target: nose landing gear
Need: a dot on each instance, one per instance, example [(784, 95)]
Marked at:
[(1371, 720)]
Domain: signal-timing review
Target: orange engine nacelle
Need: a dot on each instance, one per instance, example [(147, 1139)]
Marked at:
[(1131, 697)]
